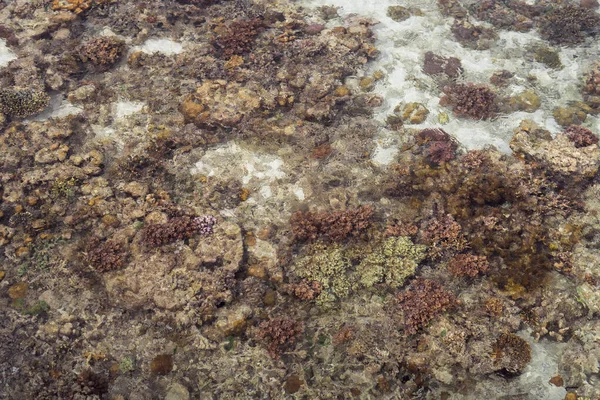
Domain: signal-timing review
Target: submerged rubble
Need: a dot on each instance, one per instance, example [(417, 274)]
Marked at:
[(216, 205)]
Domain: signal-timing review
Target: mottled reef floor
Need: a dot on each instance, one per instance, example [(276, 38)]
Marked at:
[(197, 202)]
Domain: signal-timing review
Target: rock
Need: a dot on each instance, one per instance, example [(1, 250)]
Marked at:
[(398, 13), (18, 290), (51, 154), (411, 113), (177, 391), (136, 189), (2, 275), (548, 57), (569, 115), (558, 155), (527, 101)]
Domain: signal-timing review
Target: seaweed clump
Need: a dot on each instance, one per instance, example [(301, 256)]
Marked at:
[(471, 101), (278, 334), (422, 301), (334, 226), (178, 228), (569, 25), (15, 102)]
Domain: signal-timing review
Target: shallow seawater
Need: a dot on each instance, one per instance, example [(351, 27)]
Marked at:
[(403, 45), (299, 199)]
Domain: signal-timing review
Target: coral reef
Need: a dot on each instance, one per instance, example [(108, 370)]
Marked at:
[(178, 228), (335, 226), (15, 102), (278, 334), (422, 301), (102, 51), (471, 101), (415, 268), (569, 25), (468, 265)]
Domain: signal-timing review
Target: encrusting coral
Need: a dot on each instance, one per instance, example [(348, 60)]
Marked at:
[(16, 102), (392, 262)]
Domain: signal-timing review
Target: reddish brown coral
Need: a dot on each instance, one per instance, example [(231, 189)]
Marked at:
[(569, 25), (334, 226), (443, 235), (278, 334), (106, 256), (401, 229), (102, 51), (468, 265), (469, 100), (511, 353), (305, 290), (434, 64), (238, 37), (592, 81), (177, 228), (580, 136), (438, 145), (422, 301)]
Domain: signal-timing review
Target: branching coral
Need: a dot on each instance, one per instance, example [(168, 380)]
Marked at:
[(422, 301), (278, 334), (569, 25), (106, 256), (334, 226), (16, 102), (511, 353), (434, 64), (468, 265), (178, 228), (469, 100), (444, 236), (592, 81), (238, 37), (439, 145), (580, 136)]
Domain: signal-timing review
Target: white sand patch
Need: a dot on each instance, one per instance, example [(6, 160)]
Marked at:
[(122, 109), (255, 169), (165, 46), (58, 107), (6, 54)]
